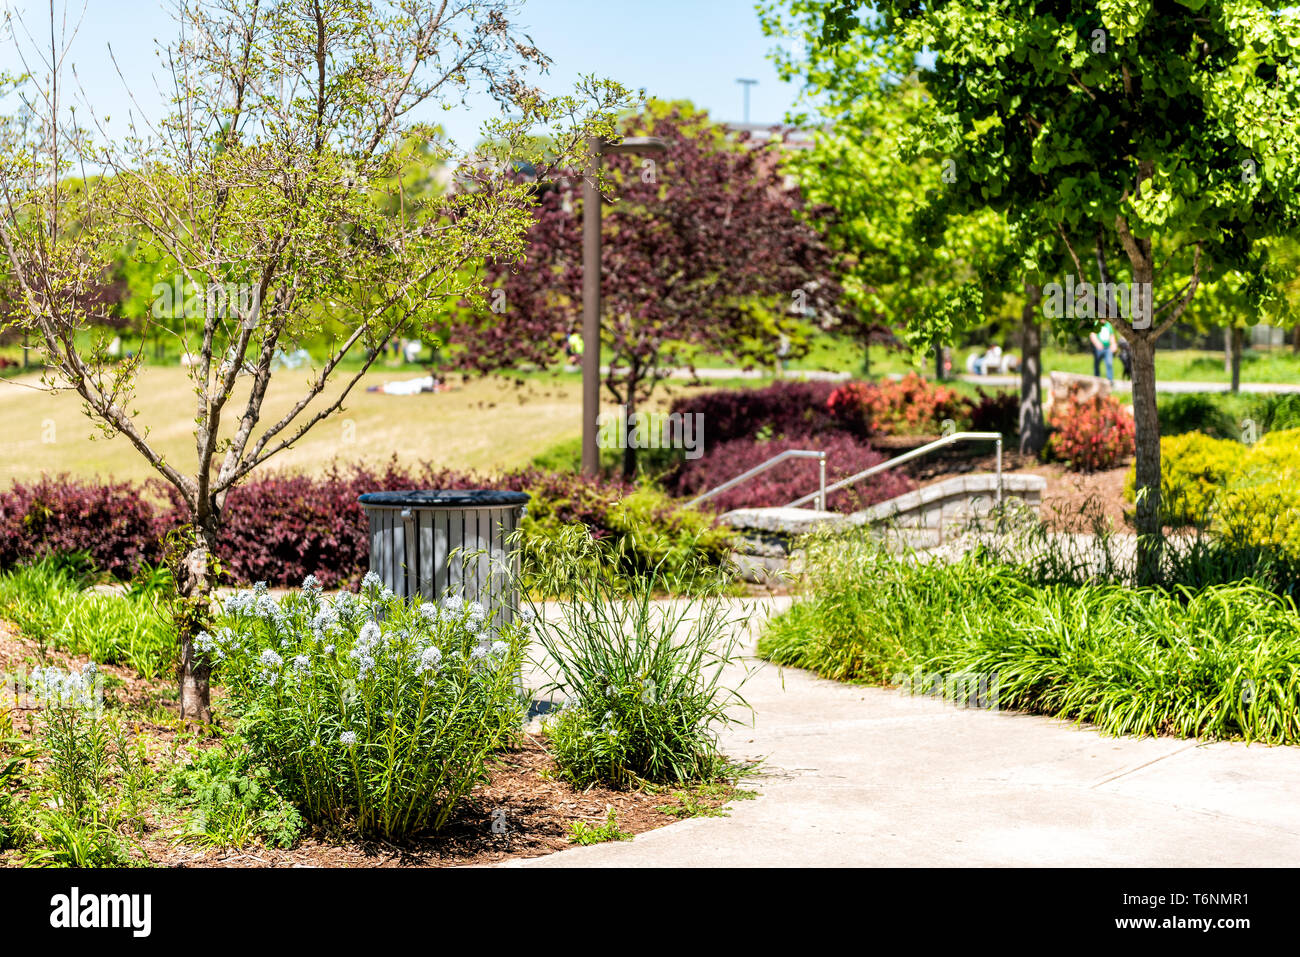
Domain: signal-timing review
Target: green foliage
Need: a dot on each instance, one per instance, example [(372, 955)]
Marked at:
[(1225, 416), (64, 839), (701, 800), (230, 800), (643, 684), (53, 604), (368, 711), (582, 833), (1157, 145), (16, 755), (653, 530), (1215, 414), (94, 778), (77, 750), (666, 539), (1275, 412), (1194, 470), (1250, 493), (566, 456), (1221, 662)]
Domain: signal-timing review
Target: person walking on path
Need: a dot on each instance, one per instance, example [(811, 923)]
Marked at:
[(1103, 351)]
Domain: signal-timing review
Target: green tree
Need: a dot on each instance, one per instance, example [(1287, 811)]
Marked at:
[(275, 185), (931, 272), (1159, 140)]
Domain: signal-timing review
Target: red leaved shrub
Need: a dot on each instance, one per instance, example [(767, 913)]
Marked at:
[(113, 522), (277, 527), (282, 526), (783, 408), (789, 480), (996, 412), (909, 406), (1090, 434)]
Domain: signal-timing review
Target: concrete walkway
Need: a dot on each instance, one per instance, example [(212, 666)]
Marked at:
[(867, 776)]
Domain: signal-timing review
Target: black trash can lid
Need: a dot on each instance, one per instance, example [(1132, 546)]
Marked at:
[(449, 498)]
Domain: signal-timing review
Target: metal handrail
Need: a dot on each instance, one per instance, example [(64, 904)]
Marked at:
[(820, 494), (775, 460)]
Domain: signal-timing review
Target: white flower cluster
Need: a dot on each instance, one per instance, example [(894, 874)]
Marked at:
[(217, 647), (373, 585), (66, 689), (305, 632), (347, 608), (427, 663), (258, 603), (271, 664), (370, 644)]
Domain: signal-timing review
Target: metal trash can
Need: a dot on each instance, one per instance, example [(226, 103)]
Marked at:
[(429, 544)]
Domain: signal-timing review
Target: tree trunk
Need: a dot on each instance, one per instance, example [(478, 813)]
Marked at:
[(1033, 432), (1147, 423), (1237, 337), (938, 362), (194, 575)]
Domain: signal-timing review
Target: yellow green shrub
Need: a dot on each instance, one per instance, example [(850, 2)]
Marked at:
[(1194, 471), (1251, 493)]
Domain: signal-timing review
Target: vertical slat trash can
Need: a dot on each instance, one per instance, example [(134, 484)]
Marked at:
[(428, 544)]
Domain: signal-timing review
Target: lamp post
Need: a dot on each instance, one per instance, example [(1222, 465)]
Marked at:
[(747, 83), (591, 270)]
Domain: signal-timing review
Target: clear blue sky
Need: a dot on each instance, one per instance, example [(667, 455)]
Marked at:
[(687, 49)]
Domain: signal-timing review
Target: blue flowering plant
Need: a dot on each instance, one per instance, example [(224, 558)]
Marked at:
[(372, 712)]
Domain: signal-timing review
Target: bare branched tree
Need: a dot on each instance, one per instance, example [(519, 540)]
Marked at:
[(279, 173)]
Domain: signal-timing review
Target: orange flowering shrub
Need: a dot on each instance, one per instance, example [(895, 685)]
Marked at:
[(1090, 434), (910, 406)]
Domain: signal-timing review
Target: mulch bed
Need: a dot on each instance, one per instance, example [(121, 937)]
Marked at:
[(523, 793), (535, 808)]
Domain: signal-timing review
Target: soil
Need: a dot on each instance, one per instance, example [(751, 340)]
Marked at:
[(524, 794), (1072, 501), (535, 808)]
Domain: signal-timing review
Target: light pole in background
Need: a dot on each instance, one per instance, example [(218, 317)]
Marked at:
[(591, 200), (747, 84)]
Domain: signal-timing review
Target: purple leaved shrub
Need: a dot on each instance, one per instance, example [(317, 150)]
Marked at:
[(791, 479)]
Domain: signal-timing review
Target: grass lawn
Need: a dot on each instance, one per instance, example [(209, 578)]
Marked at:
[(484, 424)]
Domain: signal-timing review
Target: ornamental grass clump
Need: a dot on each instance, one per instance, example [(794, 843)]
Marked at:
[(645, 683), (1218, 662), (371, 712)]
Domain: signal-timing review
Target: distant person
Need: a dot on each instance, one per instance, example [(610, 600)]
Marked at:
[(986, 364), (573, 347), (1126, 358), (1103, 351)]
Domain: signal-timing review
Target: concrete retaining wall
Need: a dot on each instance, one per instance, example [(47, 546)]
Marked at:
[(919, 519)]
